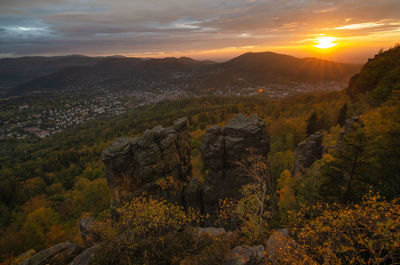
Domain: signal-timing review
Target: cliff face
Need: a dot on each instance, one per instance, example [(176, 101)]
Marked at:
[(224, 150), (157, 163)]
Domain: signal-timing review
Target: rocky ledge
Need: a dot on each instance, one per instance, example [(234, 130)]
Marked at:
[(157, 163), (224, 152)]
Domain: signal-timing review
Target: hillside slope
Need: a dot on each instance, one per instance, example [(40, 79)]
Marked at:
[(378, 78)]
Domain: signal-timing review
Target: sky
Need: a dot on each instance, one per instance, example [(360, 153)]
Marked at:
[(203, 29)]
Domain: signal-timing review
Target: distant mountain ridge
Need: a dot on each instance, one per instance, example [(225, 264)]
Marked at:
[(16, 71), (249, 69), (269, 67)]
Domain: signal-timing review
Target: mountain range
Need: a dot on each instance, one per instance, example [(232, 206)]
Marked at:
[(22, 76)]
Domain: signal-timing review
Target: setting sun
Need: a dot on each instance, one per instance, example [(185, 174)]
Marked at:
[(325, 42)]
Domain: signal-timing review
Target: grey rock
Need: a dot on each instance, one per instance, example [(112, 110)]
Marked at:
[(245, 255), (193, 194), (211, 231), (307, 152), (134, 165), (59, 254), (86, 256), (215, 232), (223, 149)]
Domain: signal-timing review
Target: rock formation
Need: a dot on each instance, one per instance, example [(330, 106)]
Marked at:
[(62, 253), (245, 255), (85, 257), (223, 149), (157, 163), (213, 232), (307, 152)]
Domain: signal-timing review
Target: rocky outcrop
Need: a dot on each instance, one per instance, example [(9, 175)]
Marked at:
[(350, 125), (86, 256), (192, 195), (214, 232), (62, 253), (245, 255), (157, 163), (223, 149), (307, 152)]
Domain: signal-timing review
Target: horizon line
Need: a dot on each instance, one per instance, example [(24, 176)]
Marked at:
[(165, 56)]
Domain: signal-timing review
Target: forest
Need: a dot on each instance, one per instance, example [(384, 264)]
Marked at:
[(343, 209)]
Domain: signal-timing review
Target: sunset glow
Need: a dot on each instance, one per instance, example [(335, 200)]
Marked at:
[(206, 30), (325, 42)]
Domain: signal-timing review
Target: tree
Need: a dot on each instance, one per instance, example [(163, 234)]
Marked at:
[(382, 131), (252, 212), (286, 191), (37, 224), (313, 124), (341, 119), (344, 174)]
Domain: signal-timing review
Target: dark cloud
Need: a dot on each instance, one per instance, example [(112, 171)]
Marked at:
[(30, 27)]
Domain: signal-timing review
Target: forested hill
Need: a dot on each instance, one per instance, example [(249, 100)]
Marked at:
[(269, 67), (250, 69), (320, 184), (379, 77), (16, 71)]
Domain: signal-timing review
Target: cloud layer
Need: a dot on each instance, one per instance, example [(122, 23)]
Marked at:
[(159, 27)]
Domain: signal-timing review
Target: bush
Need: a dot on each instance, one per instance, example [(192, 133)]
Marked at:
[(364, 233)]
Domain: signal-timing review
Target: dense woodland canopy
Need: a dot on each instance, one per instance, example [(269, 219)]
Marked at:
[(338, 211)]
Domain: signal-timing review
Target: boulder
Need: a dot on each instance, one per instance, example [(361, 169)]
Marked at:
[(245, 255), (307, 152), (211, 231), (223, 149), (59, 254), (157, 163), (86, 256)]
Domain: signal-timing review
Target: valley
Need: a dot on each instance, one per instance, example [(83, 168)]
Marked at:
[(84, 88)]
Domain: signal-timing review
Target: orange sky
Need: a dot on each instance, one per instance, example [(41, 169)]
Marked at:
[(202, 29), (347, 48)]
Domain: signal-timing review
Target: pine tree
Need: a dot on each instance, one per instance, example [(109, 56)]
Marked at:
[(346, 173)]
